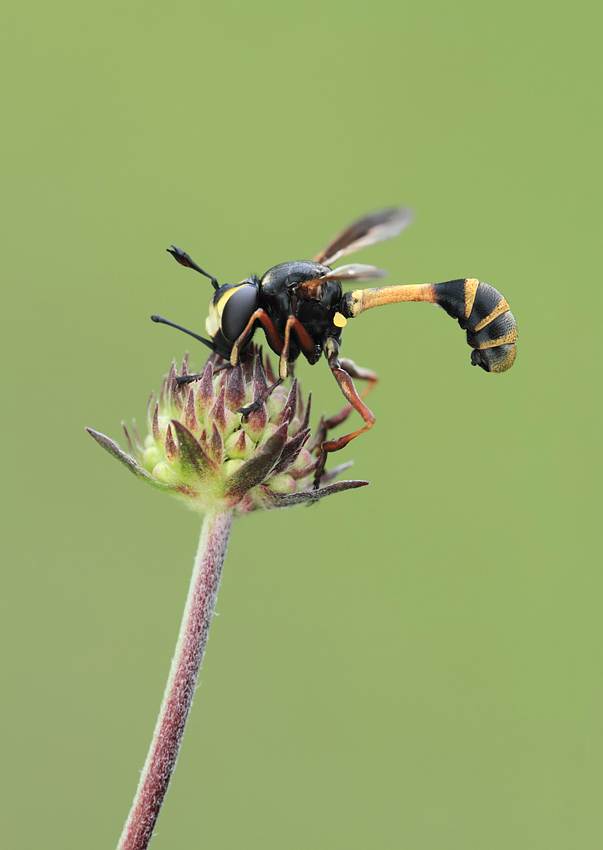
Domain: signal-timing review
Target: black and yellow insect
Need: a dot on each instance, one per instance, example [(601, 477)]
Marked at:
[(302, 309)]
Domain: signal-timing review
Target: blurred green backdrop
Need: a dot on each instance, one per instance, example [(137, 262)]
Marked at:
[(416, 664)]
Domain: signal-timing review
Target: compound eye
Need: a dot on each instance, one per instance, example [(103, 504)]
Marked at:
[(240, 304)]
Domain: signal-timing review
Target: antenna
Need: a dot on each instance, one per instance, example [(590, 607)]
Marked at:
[(162, 321), (183, 258)]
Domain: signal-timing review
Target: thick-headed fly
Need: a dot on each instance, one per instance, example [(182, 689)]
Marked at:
[(302, 310)]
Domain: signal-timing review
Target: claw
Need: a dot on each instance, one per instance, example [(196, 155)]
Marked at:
[(252, 408), (187, 379)]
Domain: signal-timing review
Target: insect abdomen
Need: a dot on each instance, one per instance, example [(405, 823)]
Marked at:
[(483, 312)]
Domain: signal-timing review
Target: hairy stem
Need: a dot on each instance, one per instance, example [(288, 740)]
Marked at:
[(181, 684)]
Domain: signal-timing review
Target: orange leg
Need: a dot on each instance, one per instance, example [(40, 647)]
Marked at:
[(283, 361), (280, 345), (306, 344), (272, 335), (346, 384), (354, 371)]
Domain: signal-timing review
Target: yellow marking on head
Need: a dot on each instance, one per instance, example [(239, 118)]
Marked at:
[(471, 285), (212, 322), (498, 310), (507, 339), (339, 320)]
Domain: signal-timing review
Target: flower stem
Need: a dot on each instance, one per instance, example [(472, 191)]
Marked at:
[(181, 684)]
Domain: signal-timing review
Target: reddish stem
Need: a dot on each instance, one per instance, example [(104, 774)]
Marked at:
[(182, 681)]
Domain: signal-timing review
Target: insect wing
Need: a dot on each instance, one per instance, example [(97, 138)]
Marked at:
[(355, 271), (373, 228)]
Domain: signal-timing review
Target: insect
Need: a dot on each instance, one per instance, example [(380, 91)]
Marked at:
[(302, 309)]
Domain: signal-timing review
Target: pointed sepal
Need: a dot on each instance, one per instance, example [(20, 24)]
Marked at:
[(257, 469), (272, 500), (129, 461), (195, 463)]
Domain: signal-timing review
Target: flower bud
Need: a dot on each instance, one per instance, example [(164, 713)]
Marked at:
[(201, 449)]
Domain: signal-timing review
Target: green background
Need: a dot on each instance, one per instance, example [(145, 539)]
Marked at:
[(416, 664)]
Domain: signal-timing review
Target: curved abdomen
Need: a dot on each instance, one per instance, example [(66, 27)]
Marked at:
[(480, 309), (484, 313)]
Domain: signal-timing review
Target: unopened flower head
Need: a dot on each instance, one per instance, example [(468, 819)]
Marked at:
[(203, 451)]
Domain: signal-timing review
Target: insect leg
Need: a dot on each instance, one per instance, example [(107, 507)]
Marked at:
[(196, 376), (257, 403), (306, 343), (272, 335), (281, 346), (276, 344), (347, 387), (188, 379), (285, 369), (354, 371), (283, 361)]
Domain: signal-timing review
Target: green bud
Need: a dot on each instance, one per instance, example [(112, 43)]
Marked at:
[(200, 450)]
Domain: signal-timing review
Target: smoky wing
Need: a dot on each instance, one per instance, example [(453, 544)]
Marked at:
[(373, 228), (355, 271)]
